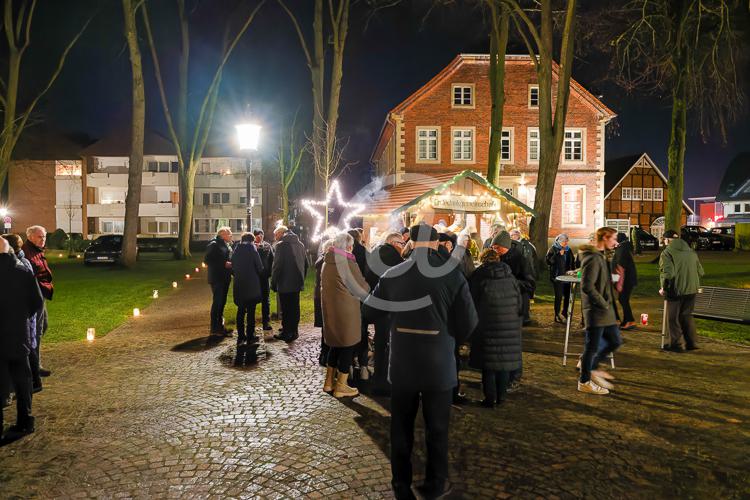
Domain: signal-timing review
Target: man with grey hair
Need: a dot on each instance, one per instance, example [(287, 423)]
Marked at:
[(382, 258), (496, 229), (218, 258), (33, 248)]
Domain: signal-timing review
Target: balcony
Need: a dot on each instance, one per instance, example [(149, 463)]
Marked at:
[(107, 180), (144, 210), (159, 179)]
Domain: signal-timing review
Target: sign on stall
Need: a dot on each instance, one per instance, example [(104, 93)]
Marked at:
[(465, 203)]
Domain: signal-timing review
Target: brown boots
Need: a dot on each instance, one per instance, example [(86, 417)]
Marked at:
[(342, 390)]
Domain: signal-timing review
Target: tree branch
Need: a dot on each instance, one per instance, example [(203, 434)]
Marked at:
[(300, 35), (162, 89), (61, 62)]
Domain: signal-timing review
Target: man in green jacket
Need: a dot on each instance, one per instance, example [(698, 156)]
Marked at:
[(679, 275)]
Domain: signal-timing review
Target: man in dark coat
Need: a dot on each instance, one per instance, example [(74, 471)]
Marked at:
[(266, 258), (496, 343), (20, 298), (382, 258), (527, 249), (33, 248), (430, 310), (288, 279), (247, 270), (624, 266), (218, 258)]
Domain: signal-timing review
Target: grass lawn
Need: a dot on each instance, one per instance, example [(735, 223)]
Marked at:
[(102, 297), (727, 269)]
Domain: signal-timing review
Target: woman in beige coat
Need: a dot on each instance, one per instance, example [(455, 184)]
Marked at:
[(342, 286)]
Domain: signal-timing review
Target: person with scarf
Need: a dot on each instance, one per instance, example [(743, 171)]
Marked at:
[(560, 260)]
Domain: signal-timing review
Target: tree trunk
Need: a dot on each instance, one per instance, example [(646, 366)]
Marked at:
[(187, 200), (676, 157), (135, 169), (317, 73), (498, 46), (285, 203)]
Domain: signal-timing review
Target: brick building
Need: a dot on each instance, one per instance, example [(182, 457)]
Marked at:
[(637, 195), (444, 127)]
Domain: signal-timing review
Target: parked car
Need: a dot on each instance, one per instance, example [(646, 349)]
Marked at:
[(723, 238), (105, 249), (646, 240), (698, 237)]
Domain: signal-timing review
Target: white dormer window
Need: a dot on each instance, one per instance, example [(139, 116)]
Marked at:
[(627, 194), (463, 95), (637, 194), (533, 96), (658, 194)]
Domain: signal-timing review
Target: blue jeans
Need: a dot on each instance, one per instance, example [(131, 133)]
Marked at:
[(600, 342)]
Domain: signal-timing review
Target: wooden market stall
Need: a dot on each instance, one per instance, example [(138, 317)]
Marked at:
[(457, 200)]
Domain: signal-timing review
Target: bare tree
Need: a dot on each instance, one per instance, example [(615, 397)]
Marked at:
[(500, 27), (289, 158), (17, 22), (690, 50), (538, 36), (190, 137), (325, 113), (137, 131)]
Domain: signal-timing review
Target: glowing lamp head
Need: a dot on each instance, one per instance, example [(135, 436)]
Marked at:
[(174, 284), (187, 276), (248, 136), (197, 270), (3, 212), (136, 312)]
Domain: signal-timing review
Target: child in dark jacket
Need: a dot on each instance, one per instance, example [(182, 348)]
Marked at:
[(496, 342)]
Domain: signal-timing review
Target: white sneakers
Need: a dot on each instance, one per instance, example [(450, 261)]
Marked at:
[(591, 387), (602, 379)]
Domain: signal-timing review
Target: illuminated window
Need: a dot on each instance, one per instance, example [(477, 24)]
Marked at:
[(463, 144), (573, 200), (428, 140)]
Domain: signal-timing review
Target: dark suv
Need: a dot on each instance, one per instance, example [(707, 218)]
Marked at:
[(697, 237), (722, 238), (105, 249)]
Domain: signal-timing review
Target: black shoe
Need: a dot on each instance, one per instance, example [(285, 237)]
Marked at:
[(281, 335), (253, 339), (514, 386), (434, 493), (487, 403), (26, 427), (291, 338), (43, 372), (460, 399), (267, 327), (36, 388), (560, 319), (673, 348), (403, 492)]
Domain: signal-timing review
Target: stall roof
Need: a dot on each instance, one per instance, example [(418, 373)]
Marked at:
[(396, 199)]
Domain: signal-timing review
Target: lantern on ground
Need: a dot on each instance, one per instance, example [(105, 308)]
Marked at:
[(155, 294), (174, 284), (90, 334), (136, 312), (187, 276)]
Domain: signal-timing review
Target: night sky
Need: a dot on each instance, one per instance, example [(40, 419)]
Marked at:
[(397, 53)]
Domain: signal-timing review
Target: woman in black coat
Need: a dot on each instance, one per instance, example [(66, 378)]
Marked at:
[(247, 269), (624, 265), (496, 342), (560, 260)]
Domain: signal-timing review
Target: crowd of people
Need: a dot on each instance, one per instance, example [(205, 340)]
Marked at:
[(423, 292), (27, 285)]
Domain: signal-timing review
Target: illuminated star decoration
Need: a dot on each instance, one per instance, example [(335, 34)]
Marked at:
[(352, 210)]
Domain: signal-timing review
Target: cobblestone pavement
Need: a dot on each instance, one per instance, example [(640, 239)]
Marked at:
[(156, 410)]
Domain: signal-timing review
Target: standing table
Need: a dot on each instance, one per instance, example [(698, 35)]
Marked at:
[(574, 281)]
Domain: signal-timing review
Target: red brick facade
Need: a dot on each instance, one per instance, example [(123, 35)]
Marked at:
[(433, 107), (31, 195)]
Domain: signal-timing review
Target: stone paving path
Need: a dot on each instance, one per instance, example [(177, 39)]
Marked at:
[(156, 410)]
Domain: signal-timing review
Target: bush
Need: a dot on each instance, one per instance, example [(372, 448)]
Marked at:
[(77, 243), (57, 240)]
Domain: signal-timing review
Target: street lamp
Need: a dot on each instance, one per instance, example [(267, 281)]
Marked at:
[(248, 138)]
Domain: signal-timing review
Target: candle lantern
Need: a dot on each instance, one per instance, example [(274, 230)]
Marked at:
[(90, 334), (174, 284), (197, 270), (187, 276), (155, 294), (136, 312)]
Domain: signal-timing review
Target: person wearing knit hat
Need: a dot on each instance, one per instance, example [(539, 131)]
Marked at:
[(519, 267), (423, 232), (503, 240)]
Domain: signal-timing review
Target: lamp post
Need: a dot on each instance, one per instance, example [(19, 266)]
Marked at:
[(248, 138)]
